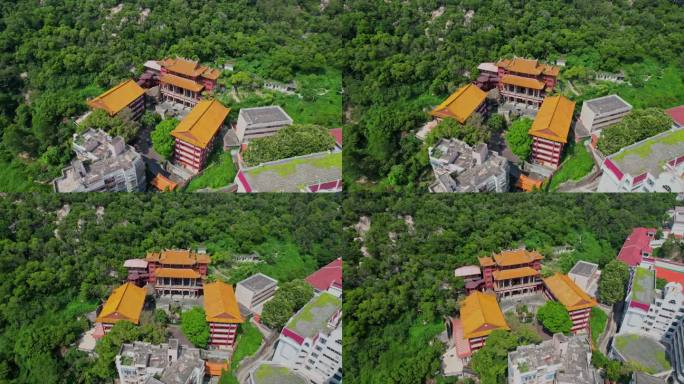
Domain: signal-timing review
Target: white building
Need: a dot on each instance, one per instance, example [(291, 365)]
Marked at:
[(140, 362), (603, 112), (254, 291), (678, 222), (675, 350), (260, 122), (311, 342), (586, 275)]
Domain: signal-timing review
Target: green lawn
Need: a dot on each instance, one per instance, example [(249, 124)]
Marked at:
[(248, 342), (333, 160), (597, 322), (219, 173), (578, 163), (16, 178)]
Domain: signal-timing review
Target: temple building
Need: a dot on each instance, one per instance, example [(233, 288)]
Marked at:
[(578, 303), (222, 314), (550, 130), (125, 303), (177, 272), (137, 271), (462, 104), (511, 273), (125, 96), (472, 277), (182, 81), (526, 81), (480, 315), (196, 132)]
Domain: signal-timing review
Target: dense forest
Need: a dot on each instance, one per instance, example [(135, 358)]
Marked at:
[(404, 57), (62, 254), (399, 281), (55, 53)]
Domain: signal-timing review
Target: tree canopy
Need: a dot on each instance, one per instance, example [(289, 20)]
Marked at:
[(294, 140), (640, 124), (162, 141), (195, 327), (518, 138), (554, 317), (613, 283), (288, 299)]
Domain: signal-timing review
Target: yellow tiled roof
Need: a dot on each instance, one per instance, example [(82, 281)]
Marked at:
[(485, 261), (568, 293), (480, 315), (178, 257), (183, 66), (220, 304), (516, 257), (125, 303), (514, 273), (523, 81), (461, 104), (202, 123), (528, 66), (177, 273), (181, 82), (554, 119), (116, 99)]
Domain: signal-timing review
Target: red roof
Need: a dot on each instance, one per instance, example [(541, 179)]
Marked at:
[(670, 275), (677, 114), (244, 182), (636, 244), (613, 168), (337, 134), (327, 276)]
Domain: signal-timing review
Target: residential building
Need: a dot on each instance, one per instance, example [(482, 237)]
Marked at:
[(311, 342), (526, 81), (168, 363), (459, 167), (462, 104), (637, 246), (177, 272), (675, 351), (316, 172), (480, 315), (652, 165), (586, 275), (560, 360), (600, 113), (512, 272), (223, 314), (196, 132), (677, 115), (550, 130), (254, 291), (126, 96), (137, 271), (578, 303), (125, 303), (328, 278), (102, 164), (472, 277), (488, 77), (258, 122), (270, 373), (183, 81), (678, 223)]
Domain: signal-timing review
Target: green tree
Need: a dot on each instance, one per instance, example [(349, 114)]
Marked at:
[(295, 140), (554, 317), (640, 124), (613, 283), (121, 125), (490, 362), (277, 312), (162, 141), (472, 132), (298, 292), (195, 327), (240, 79), (518, 138)]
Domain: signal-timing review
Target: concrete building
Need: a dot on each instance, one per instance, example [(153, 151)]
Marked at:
[(125, 303), (675, 351), (260, 122), (642, 351), (311, 342), (459, 167), (678, 223), (645, 378), (561, 360), (137, 271), (472, 277), (169, 363), (127, 96), (254, 291), (586, 275), (603, 112), (652, 165), (102, 164), (578, 303), (462, 104), (550, 130)]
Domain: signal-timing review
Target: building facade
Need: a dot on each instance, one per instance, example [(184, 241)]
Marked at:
[(600, 113), (578, 303), (183, 81), (526, 81), (222, 313), (675, 351), (480, 315), (258, 122), (512, 272), (586, 275), (550, 130), (137, 271), (177, 272), (254, 291), (127, 96)]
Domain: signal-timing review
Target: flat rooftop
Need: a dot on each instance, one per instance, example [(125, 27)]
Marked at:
[(608, 104), (294, 174), (258, 282), (643, 351), (273, 374), (651, 154), (265, 115), (643, 285), (583, 268), (314, 316), (462, 172)]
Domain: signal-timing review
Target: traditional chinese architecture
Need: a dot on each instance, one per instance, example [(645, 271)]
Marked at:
[(222, 313), (512, 272), (526, 81), (462, 104), (196, 132), (182, 81), (472, 277), (125, 96), (578, 303), (137, 271), (480, 315), (550, 130), (177, 272), (489, 76), (125, 303)]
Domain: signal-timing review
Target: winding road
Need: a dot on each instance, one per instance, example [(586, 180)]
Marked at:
[(264, 352)]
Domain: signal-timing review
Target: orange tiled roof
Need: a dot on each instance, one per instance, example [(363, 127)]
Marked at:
[(480, 315), (202, 123), (190, 68), (516, 257), (116, 99), (211, 74), (214, 368), (529, 184), (514, 273), (220, 304), (568, 293), (528, 66), (178, 257), (125, 303), (185, 273), (486, 261), (523, 81), (181, 82), (461, 104), (554, 119), (163, 184)]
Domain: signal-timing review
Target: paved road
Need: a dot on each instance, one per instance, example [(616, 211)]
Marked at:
[(264, 353)]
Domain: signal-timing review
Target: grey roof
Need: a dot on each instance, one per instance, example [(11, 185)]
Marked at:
[(608, 104), (584, 268), (156, 356), (294, 174), (258, 282), (265, 115), (643, 285), (644, 378), (230, 139), (641, 350), (315, 315), (649, 155), (275, 374)]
